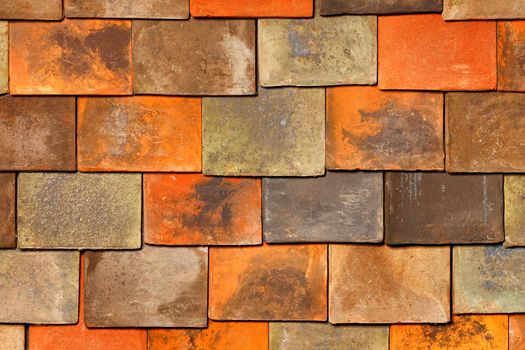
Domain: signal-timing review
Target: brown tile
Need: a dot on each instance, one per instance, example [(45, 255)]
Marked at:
[(439, 208), (169, 9), (192, 209), (380, 284), (201, 57), (4, 54), (278, 282), (12, 337), (483, 9), (514, 195), (37, 133), (31, 9), (7, 210), (72, 57), (516, 332), (511, 50), (140, 133), (338, 7), (152, 287), (338, 207)]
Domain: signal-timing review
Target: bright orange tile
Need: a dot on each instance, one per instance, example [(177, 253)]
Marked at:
[(517, 332), (251, 8)]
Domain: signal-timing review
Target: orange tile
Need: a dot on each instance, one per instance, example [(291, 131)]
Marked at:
[(511, 53), (517, 332), (218, 336), (192, 209), (251, 8), (423, 52)]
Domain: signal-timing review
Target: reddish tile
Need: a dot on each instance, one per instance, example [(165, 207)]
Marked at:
[(4, 53), (251, 8), (517, 332), (140, 133), (511, 53), (31, 9), (192, 209), (423, 52), (7, 210)]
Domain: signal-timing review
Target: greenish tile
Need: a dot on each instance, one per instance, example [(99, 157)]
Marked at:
[(4, 42), (514, 210)]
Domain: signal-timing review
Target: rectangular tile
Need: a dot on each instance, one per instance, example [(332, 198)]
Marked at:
[(168, 9), (339, 7), (483, 9), (514, 210), (7, 210), (251, 8), (31, 9), (516, 332), (12, 337), (511, 50), (4, 54)]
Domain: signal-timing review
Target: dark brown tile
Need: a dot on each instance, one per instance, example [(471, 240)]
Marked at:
[(7, 210), (380, 7)]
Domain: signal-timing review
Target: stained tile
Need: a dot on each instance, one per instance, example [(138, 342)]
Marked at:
[(268, 283), (464, 333), (152, 287), (251, 8), (280, 132), (140, 133), (39, 287), (338, 7), (192, 209), (31, 9), (488, 279), (79, 211), (12, 337), (314, 51), (4, 53), (483, 131), (380, 284), (218, 336), (169, 9), (439, 208), (450, 56), (511, 50), (195, 57), (378, 130), (482, 9), (7, 210), (338, 207), (514, 210), (516, 332), (72, 57), (313, 336), (37, 133)]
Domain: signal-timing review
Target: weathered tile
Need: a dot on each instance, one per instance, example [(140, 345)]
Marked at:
[(72, 57), (488, 279), (439, 208), (4, 53), (201, 57), (192, 209), (12, 337), (7, 210), (152, 287), (278, 282), (79, 211), (464, 333), (251, 8), (380, 130), (37, 133), (169, 9), (423, 52), (140, 133), (483, 9), (31, 9), (485, 132), (314, 51), (39, 287), (516, 332), (511, 50), (514, 210), (380, 284), (313, 336), (338, 7), (280, 132), (218, 336), (338, 207)]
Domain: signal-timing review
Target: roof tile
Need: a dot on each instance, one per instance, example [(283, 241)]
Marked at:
[(4, 54), (251, 8), (516, 332), (514, 210), (511, 50), (31, 9), (337, 7), (169, 9), (483, 9), (12, 337), (7, 210)]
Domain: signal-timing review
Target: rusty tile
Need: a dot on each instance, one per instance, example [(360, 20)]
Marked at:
[(31, 9), (152, 287), (169, 9), (12, 337), (338, 7), (39, 287), (450, 56), (380, 284), (280, 132), (488, 279), (439, 208), (483, 131), (251, 8), (514, 210), (313, 336), (79, 211), (516, 332), (4, 51), (37, 133), (279, 282), (7, 210), (72, 57), (201, 57), (314, 52), (218, 336), (192, 209), (140, 133), (464, 333), (379, 130), (511, 50), (483, 9), (338, 207)]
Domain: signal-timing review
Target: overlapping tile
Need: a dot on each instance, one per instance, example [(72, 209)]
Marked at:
[(7, 210), (31, 9), (169, 9), (514, 210), (4, 53), (511, 50), (516, 332), (372, 7), (339, 207), (12, 337), (483, 9), (251, 8)]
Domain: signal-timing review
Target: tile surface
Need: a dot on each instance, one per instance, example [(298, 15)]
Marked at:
[(337, 7), (251, 8), (12, 337), (511, 53), (483, 9), (7, 210), (31, 9), (4, 54), (514, 210), (172, 9), (516, 332)]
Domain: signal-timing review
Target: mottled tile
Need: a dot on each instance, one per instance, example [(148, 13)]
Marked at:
[(280, 132), (72, 57), (4, 54), (39, 287), (192, 209), (140, 133), (516, 332), (338, 7), (439, 208), (268, 283), (7, 210), (169, 9), (31, 9), (511, 56), (201, 57), (338, 207), (381, 284), (367, 128), (37, 133), (251, 8), (152, 287), (12, 337), (485, 132), (79, 211), (514, 210), (483, 9), (423, 52), (488, 279)]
